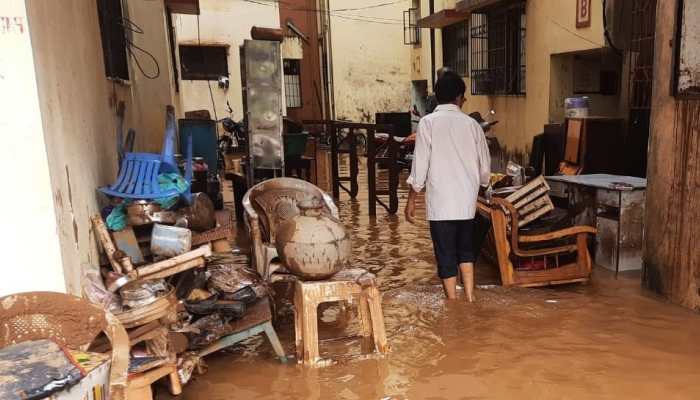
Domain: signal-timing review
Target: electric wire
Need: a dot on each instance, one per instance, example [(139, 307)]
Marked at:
[(211, 93), (131, 26), (334, 13)]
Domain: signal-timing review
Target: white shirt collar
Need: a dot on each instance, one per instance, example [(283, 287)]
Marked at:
[(447, 107)]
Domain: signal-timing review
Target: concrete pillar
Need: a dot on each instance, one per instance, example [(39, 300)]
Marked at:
[(30, 256)]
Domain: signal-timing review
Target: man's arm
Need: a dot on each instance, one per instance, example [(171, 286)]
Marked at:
[(484, 155), (419, 168)]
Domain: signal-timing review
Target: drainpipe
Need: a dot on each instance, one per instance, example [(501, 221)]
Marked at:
[(330, 62), (432, 46)]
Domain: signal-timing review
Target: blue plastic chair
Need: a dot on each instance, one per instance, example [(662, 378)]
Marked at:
[(138, 173)]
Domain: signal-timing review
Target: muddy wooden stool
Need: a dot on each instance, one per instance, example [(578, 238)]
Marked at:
[(347, 285)]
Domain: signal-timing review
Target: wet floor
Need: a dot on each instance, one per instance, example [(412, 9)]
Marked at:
[(606, 340)]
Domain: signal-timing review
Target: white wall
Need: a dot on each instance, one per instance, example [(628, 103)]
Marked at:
[(222, 22), (58, 124), (29, 239), (371, 65)]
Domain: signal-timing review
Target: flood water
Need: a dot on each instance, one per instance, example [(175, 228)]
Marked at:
[(605, 340)]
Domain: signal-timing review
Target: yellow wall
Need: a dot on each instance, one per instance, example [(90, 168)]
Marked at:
[(551, 29), (371, 67), (77, 116), (222, 22)]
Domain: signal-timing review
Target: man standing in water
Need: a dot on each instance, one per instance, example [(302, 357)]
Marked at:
[(451, 160)]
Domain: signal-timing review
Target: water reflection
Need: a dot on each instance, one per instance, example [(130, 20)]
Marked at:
[(608, 339)]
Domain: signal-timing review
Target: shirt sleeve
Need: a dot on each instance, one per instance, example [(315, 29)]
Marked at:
[(421, 157), (482, 149)]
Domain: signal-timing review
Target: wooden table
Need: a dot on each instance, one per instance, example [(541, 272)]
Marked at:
[(614, 204)]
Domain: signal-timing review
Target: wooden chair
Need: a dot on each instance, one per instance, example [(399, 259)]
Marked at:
[(68, 320), (270, 203), (548, 248), (345, 286)]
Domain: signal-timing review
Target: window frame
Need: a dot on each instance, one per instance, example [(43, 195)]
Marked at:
[(455, 47), (113, 36), (212, 75), (498, 50), (411, 31), (287, 92)]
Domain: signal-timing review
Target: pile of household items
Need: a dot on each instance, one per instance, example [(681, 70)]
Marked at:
[(170, 275)]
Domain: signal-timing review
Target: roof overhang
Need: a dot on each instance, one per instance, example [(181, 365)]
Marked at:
[(469, 6), (183, 6), (442, 19)]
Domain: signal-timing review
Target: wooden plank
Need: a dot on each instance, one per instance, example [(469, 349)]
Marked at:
[(203, 251)]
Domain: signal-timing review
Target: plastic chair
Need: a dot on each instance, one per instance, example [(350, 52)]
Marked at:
[(68, 320), (138, 174)]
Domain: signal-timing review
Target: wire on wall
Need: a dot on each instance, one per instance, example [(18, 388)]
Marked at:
[(131, 26), (211, 92)]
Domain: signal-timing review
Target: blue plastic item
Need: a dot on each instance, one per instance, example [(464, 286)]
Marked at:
[(138, 174), (204, 140)]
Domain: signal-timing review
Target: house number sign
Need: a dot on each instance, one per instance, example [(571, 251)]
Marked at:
[(583, 13)]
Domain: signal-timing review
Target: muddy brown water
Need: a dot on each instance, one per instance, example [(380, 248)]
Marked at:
[(609, 339)]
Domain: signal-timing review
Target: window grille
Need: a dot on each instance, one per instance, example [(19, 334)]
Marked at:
[(292, 83), (455, 44), (411, 31), (498, 50)]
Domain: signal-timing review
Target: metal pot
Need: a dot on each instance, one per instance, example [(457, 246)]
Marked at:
[(200, 216), (312, 245), (144, 212)]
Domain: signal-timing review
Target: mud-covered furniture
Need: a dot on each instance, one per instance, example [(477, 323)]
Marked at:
[(258, 319), (347, 285), (549, 258), (270, 203), (69, 321)]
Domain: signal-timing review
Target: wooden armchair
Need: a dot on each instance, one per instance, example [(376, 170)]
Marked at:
[(270, 203), (69, 321), (570, 245)]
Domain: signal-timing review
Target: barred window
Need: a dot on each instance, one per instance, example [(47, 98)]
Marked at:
[(292, 83), (455, 41), (498, 50), (411, 31)]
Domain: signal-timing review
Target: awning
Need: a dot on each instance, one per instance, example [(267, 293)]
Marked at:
[(468, 6), (183, 6), (442, 19)]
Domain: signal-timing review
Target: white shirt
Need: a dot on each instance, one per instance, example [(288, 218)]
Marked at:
[(451, 160)]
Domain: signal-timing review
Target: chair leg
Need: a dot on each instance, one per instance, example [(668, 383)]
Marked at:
[(375, 308), (310, 332), (175, 384), (274, 341), (365, 319), (141, 393), (299, 320)]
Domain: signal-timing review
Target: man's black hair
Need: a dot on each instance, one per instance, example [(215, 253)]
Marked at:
[(449, 87)]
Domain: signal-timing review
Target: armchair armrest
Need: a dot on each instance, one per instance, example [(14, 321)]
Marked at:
[(572, 231)]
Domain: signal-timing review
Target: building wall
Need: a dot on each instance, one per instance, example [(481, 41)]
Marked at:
[(371, 65), (222, 22), (30, 246), (75, 142), (551, 29), (671, 258)]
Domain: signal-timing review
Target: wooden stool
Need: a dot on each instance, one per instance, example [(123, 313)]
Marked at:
[(139, 386), (308, 295)]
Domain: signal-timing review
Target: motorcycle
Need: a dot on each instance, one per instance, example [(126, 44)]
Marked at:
[(235, 136)]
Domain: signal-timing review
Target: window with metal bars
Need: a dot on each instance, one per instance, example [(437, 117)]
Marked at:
[(498, 50), (411, 31), (204, 63), (455, 45), (116, 58), (292, 83)]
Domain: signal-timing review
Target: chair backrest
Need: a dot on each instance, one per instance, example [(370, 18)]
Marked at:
[(66, 319), (275, 201)]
